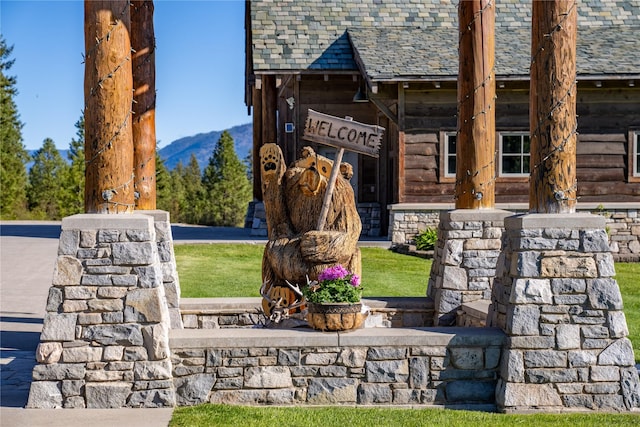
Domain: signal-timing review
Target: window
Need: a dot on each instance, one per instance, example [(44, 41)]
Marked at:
[(515, 154), (634, 155), (635, 138), (449, 164)]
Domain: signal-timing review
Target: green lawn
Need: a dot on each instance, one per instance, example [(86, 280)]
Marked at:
[(221, 415), (234, 270)]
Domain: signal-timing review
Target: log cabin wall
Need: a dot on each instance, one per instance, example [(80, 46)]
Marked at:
[(605, 118)]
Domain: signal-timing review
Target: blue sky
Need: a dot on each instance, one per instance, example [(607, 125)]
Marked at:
[(199, 66)]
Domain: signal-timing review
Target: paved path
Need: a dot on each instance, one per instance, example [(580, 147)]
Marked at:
[(27, 256)]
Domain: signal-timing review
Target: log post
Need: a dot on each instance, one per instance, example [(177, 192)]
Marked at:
[(269, 110), (144, 106), (553, 184), (257, 142), (108, 93), (475, 152)]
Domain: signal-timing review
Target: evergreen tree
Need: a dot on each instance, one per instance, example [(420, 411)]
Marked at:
[(13, 155), (46, 182), (73, 191), (194, 192), (163, 185), (227, 186), (178, 198)]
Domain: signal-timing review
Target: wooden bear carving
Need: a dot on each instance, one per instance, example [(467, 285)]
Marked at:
[(293, 199)]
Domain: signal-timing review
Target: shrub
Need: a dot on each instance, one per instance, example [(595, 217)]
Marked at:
[(426, 240)]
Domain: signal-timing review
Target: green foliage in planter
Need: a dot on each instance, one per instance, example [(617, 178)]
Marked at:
[(426, 240)]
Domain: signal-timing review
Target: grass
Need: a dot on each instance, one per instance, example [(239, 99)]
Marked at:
[(628, 277), (221, 415), (234, 270)]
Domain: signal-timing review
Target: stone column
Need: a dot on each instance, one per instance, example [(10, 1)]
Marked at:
[(464, 264), (105, 337), (170, 280), (556, 298)]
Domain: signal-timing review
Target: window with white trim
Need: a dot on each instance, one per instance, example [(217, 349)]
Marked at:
[(450, 154), (636, 153), (515, 154)]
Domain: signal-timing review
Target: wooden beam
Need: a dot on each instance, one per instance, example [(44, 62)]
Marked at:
[(108, 94), (553, 184), (144, 106), (257, 142), (475, 150), (384, 109), (269, 110)]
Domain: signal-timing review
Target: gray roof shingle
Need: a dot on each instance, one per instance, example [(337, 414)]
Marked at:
[(418, 39)]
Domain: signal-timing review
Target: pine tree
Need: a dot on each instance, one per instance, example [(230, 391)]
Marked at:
[(46, 182), (13, 155), (163, 186), (194, 192), (73, 191), (178, 197), (227, 186)]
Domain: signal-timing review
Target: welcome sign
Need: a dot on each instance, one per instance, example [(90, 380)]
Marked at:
[(343, 133)]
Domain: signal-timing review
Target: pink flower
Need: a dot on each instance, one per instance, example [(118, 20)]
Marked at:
[(355, 280), (333, 273)]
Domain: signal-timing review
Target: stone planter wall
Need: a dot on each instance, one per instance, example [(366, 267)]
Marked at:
[(217, 313), (406, 220), (455, 367)]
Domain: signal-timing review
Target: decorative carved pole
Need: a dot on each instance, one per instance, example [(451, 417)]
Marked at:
[(553, 184), (108, 93), (475, 151), (144, 106)]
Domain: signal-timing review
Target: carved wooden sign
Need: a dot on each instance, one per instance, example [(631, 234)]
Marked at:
[(343, 133)]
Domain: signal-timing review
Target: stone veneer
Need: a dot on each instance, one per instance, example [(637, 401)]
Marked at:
[(465, 257), (104, 341), (170, 280), (556, 298), (384, 366), (406, 220), (384, 312)]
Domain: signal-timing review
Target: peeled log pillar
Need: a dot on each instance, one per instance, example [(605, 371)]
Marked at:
[(475, 151), (553, 185), (144, 106), (108, 93)]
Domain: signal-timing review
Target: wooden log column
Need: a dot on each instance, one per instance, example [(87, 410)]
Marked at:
[(553, 121), (144, 106), (257, 142), (475, 151), (108, 93)]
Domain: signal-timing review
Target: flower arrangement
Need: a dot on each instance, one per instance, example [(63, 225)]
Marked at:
[(335, 284)]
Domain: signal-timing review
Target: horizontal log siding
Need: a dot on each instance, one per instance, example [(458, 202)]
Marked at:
[(604, 117)]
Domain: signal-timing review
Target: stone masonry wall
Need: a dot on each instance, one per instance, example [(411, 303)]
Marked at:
[(556, 298), (385, 367), (465, 257), (104, 341), (622, 224)]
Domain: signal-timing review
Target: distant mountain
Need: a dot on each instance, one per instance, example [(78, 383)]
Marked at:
[(202, 146)]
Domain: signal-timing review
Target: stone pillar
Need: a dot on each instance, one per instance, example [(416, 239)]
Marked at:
[(105, 337), (556, 299), (464, 264), (171, 282)]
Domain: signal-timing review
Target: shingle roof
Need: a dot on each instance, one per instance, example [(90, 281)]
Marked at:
[(418, 38)]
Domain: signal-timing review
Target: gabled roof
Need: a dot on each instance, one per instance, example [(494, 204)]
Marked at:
[(417, 39)]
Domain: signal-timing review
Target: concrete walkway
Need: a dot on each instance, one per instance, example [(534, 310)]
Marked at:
[(28, 251)]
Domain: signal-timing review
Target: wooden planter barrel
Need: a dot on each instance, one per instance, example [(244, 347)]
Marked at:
[(335, 316)]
